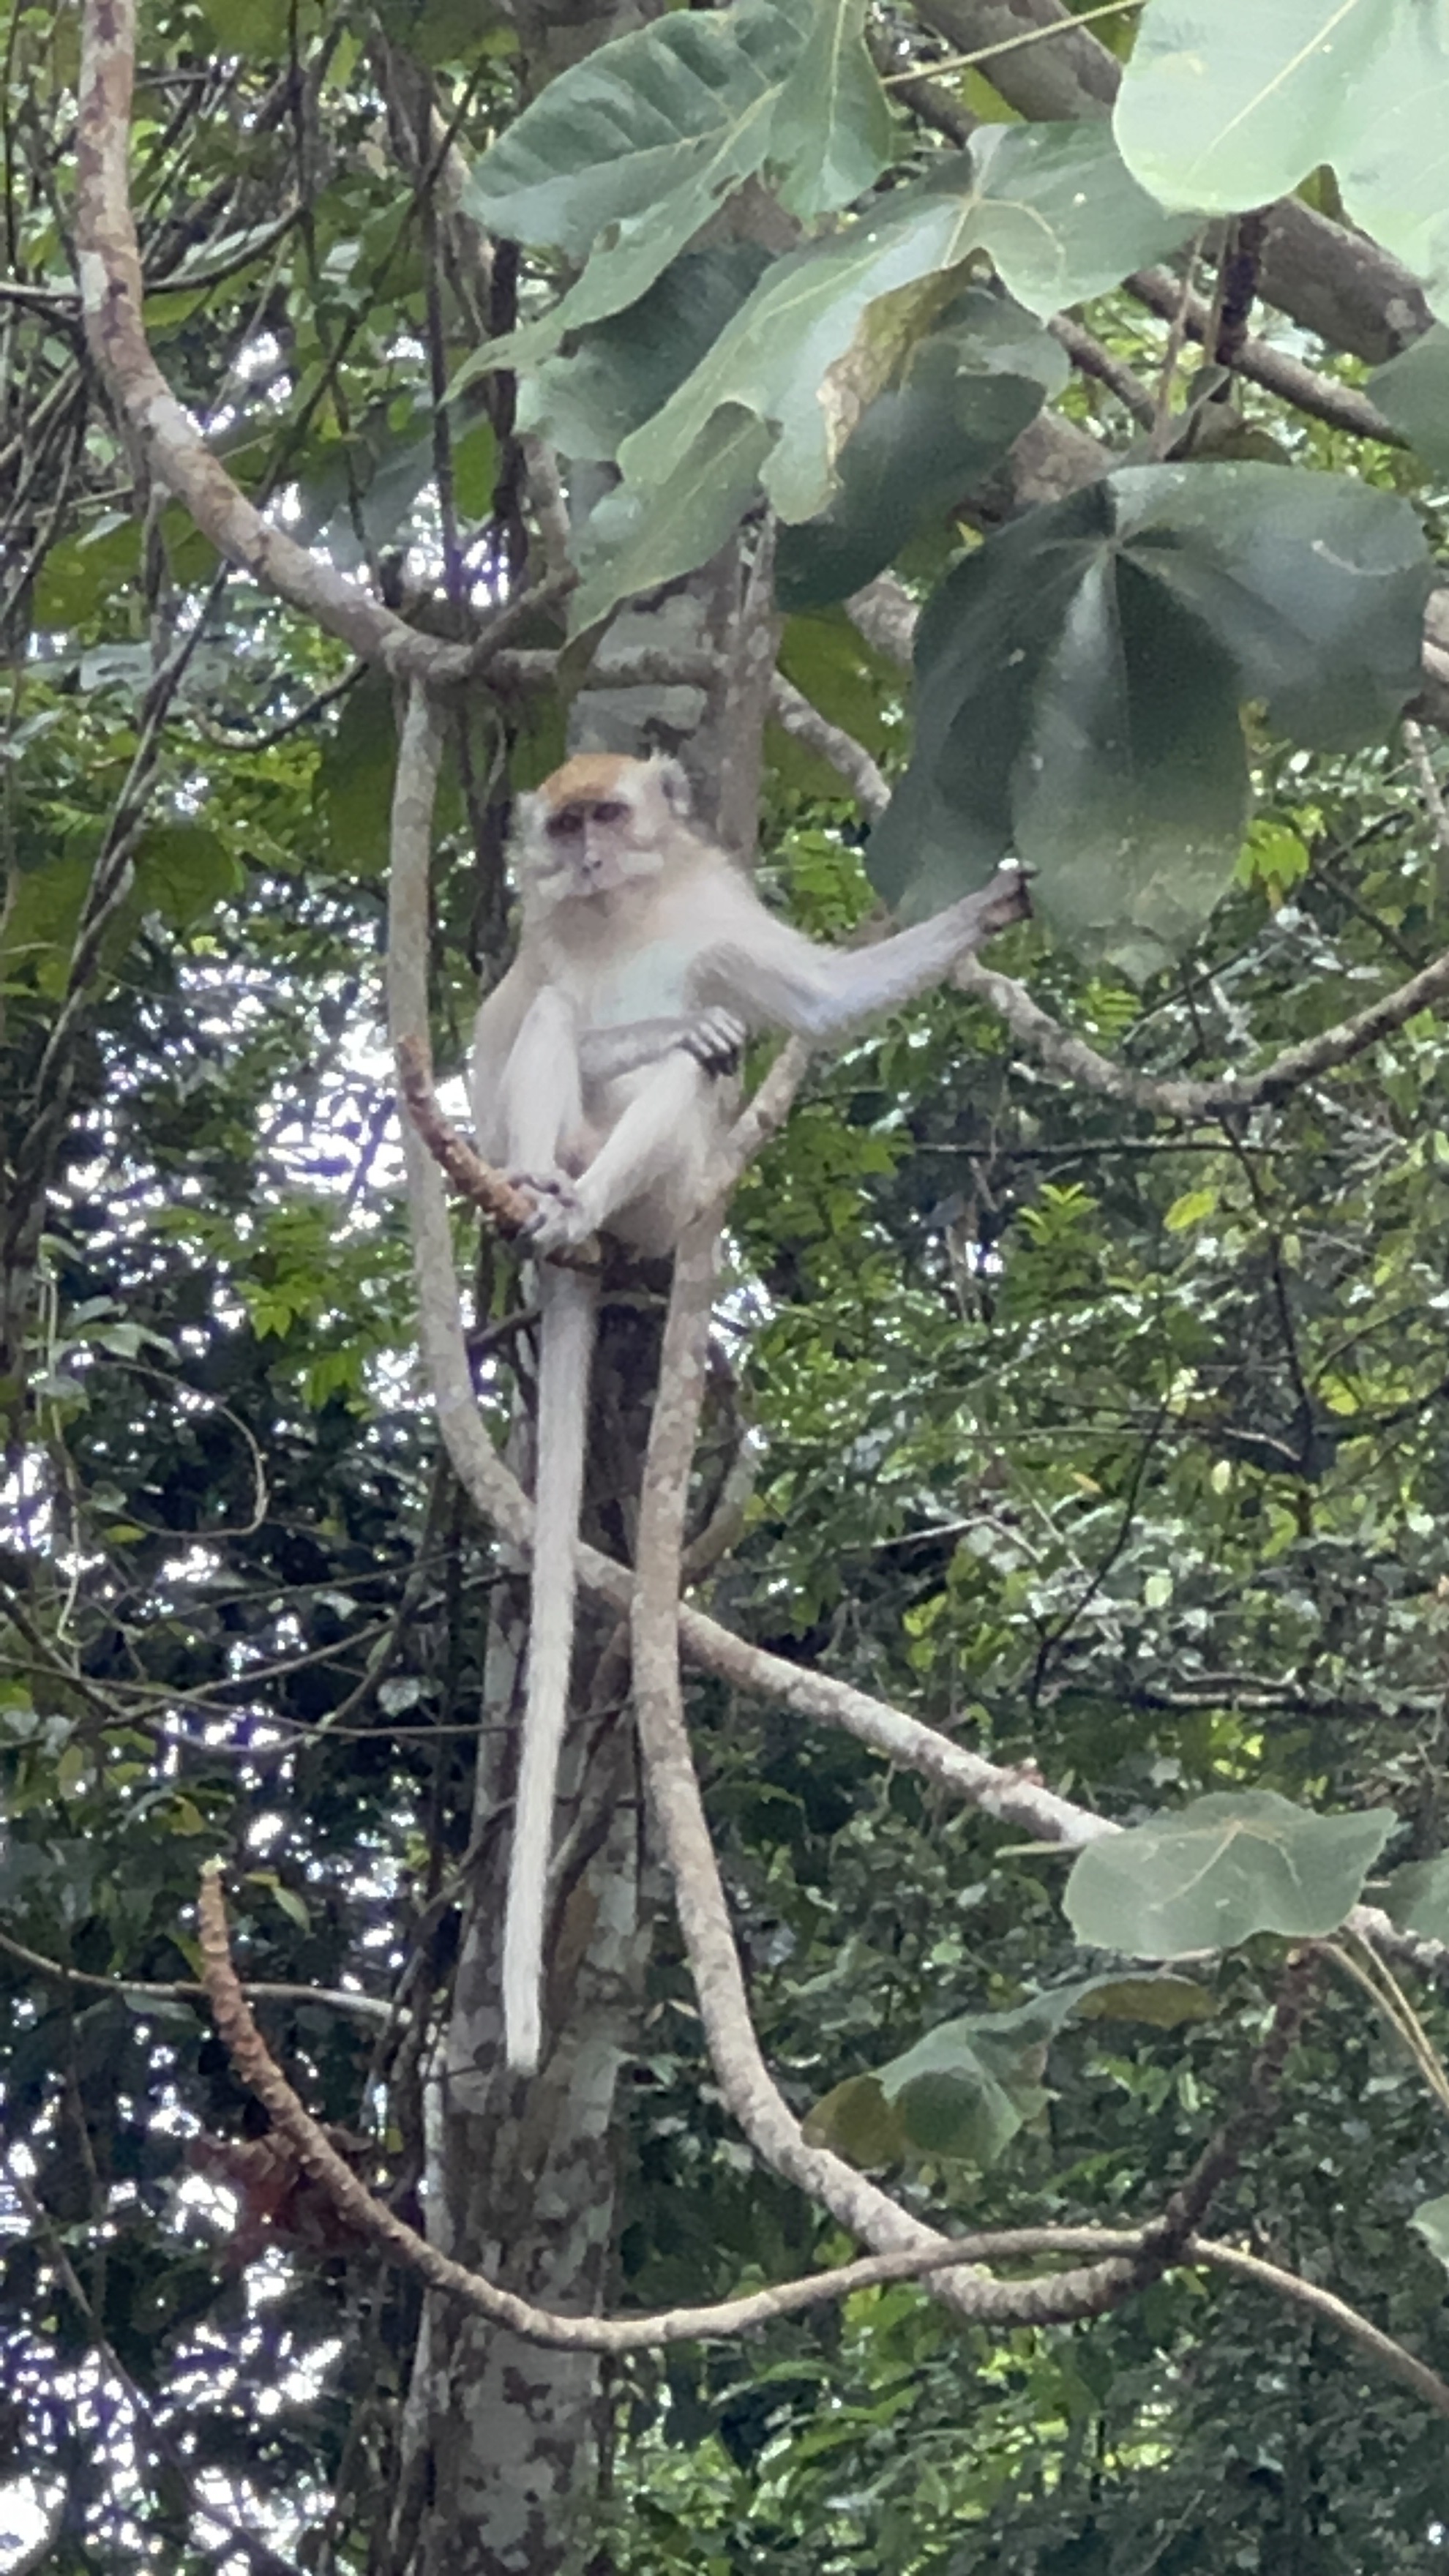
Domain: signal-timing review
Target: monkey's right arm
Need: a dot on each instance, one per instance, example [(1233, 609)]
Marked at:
[(715, 1038)]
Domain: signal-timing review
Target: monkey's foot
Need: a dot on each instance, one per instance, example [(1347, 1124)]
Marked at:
[(559, 1220), (716, 1040)]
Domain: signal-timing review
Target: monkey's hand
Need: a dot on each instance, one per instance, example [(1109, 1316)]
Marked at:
[(716, 1040), (560, 1220)]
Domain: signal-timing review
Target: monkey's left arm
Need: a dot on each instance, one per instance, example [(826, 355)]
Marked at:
[(777, 978)]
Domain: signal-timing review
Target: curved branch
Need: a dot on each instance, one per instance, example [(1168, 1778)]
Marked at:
[(1061, 1052), (508, 1209), (1055, 2295), (110, 277), (848, 758), (1322, 2304)]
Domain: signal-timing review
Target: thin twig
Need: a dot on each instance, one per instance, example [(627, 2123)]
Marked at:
[(1070, 1056), (362, 2211), (849, 759), (111, 287), (1430, 787)]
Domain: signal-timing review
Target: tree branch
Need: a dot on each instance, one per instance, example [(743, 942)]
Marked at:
[(508, 1209), (1061, 1052), (849, 759), (1055, 2295), (110, 276), (1322, 2304)]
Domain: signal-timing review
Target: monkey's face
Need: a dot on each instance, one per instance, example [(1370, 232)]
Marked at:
[(595, 844), (599, 824)]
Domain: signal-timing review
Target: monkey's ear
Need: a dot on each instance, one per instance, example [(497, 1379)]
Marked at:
[(674, 785), (526, 839)]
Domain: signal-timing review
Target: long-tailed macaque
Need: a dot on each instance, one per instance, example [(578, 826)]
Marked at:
[(644, 958)]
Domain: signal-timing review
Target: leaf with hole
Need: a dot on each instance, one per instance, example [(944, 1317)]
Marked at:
[(827, 328)]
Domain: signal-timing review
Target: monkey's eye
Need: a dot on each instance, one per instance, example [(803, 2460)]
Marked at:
[(610, 810), (566, 824)]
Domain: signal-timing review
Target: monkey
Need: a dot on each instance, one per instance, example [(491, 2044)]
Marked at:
[(600, 1083)]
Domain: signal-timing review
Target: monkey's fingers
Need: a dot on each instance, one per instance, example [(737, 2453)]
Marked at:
[(1005, 900), (559, 1222), (716, 1040)]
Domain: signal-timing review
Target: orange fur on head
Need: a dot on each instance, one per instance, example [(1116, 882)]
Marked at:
[(590, 774), (610, 777)]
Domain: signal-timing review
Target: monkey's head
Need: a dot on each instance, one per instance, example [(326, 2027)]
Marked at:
[(601, 822)]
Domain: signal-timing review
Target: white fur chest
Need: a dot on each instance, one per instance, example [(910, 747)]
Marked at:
[(618, 970)]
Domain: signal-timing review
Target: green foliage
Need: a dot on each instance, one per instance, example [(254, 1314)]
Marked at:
[(1235, 111), (1078, 683), (964, 2091), (1111, 1443), (628, 153), (1225, 1868), (843, 313), (1412, 391), (1417, 1897), (966, 391)]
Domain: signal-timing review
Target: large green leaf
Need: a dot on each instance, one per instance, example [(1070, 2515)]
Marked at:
[(1227, 1867), (625, 156), (831, 136), (353, 784), (967, 2087), (1234, 106), (634, 541), (965, 393), (1417, 1897), (183, 872), (826, 329), (83, 571), (1078, 680), (621, 370), (1412, 391)]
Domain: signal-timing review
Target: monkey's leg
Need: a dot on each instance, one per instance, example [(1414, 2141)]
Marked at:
[(663, 1136), (541, 1099)]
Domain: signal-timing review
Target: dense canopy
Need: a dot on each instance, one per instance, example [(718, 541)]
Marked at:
[(955, 432)]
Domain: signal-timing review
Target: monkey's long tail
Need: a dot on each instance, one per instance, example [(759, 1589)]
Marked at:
[(568, 1302)]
